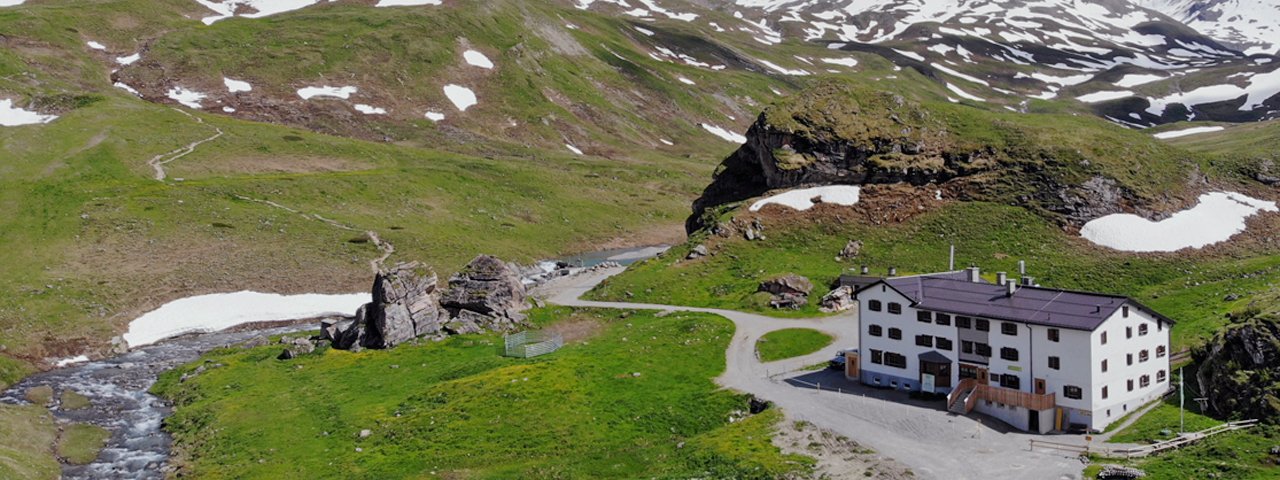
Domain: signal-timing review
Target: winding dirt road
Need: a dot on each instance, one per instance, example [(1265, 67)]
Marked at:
[(929, 440)]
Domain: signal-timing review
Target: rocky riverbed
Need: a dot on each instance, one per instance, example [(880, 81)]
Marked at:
[(117, 389)]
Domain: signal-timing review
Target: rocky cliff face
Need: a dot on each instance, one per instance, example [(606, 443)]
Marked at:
[(486, 295), (838, 133), (1240, 370)]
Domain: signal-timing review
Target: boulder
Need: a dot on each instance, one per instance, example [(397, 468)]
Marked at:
[(295, 347), (851, 250), (1118, 472), (487, 294), (837, 300), (792, 301), (1239, 370), (405, 306), (697, 252), (787, 284)]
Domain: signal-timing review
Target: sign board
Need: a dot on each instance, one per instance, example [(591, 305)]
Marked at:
[(1015, 368), (926, 381)]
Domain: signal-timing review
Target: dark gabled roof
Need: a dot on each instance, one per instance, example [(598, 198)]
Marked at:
[(951, 292), (856, 281), (932, 356)]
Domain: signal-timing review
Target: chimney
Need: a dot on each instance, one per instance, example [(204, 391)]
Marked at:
[(1028, 281), (1022, 267), (866, 270), (1001, 278), (975, 274), (1011, 287), (893, 271)]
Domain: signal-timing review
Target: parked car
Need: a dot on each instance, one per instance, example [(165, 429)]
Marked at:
[(837, 362)]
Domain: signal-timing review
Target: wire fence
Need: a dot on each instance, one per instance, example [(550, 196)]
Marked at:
[(532, 343)]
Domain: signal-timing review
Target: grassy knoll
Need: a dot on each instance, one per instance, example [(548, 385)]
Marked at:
[(1187, 287), (790, 342), (1243, 455), (1164, 416), (80, 443), (28, 457), (632, 398)]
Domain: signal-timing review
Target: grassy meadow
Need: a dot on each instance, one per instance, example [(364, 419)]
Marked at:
[(790, 343), (630, 395)]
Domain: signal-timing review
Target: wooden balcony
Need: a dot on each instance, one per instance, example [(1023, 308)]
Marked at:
[(1018, 398), (970, 392)]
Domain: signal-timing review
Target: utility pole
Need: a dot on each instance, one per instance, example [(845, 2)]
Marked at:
[(1182, 400), (951, 265)]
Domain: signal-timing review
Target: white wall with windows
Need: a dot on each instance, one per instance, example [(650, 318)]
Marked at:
[(886, 314), (1136, 356)]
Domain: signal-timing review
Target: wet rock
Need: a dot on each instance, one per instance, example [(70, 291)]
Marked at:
[(487, 292), (837, 300)]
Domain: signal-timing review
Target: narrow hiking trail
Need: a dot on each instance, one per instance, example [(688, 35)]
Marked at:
[(375, 264), (931, 441), (158, 162)]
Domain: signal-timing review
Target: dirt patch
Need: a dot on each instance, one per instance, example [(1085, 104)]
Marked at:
[(838, 456), (577, 328)]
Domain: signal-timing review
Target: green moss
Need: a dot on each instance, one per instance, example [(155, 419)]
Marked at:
[(73, 401), (80, 443)]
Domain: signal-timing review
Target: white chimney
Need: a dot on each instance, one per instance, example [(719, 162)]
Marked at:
[(866, 269), (1011, 287), (1022, 267), (893, 271), (1028, 281), (1001, 278), (975, 274)]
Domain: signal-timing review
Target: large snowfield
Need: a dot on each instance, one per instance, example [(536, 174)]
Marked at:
[(220, 311), (1217, 217)]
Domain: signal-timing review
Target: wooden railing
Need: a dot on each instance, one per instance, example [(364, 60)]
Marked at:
[(965, 385), (1142, 450), (1010, 396)]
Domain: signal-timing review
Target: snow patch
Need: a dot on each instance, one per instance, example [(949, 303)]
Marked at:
[(1217, 217), (1187, 131), (369, 109), (686, 81), (573, 149), (434, 116), (344, 93), (725, 134), (477, 59), (1105, 95), (1135, 79), (462, 97), (848, 62), (219, 311), (11, 116), (806, 198), (406, 3), (187, 97), (127, 60), (234, 86), (96, 45)]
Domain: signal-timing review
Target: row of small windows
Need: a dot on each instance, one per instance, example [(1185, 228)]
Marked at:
[(941, 343), (891, 359), (1144, 381), (894, 307), (1143, 355), (1128, 331)]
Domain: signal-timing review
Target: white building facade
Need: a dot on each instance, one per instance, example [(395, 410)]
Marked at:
[(1038, 359)]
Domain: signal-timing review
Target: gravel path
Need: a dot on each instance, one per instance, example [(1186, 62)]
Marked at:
[(922, 436)]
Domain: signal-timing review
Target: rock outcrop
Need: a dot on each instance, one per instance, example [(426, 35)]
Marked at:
[(408, 303), (486, 295), (851, 250), (837, 300), (838, 133), (1239, 370), (405, 306), (789, 290)]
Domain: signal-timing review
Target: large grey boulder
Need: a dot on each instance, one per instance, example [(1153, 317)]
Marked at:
[(486, 295), (787, 284), (837, 300), (405, 306)]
